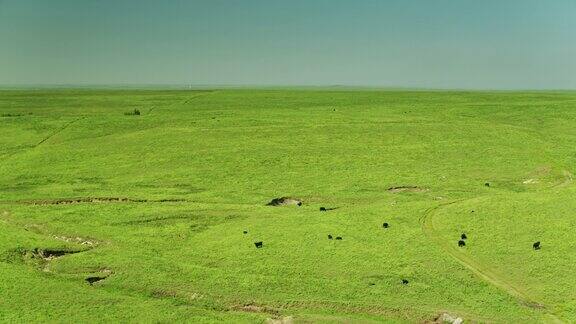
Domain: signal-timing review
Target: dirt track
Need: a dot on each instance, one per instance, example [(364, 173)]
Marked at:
[(481, 270)]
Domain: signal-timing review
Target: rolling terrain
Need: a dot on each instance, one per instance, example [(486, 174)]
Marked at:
[(110, 216)]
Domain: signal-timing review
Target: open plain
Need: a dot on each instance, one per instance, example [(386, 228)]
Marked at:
[(145, 205)]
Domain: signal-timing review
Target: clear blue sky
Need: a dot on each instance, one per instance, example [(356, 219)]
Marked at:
[(500, 44)]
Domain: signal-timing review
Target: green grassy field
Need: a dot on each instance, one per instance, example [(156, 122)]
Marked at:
[(199, 167)]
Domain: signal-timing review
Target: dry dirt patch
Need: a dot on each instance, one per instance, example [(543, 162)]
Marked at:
[(447, 318), (253, 308), (95, 200), (406, 189), (281, 320), (285, 201)]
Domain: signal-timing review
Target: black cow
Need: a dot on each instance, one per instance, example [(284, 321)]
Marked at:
[(299, 204), (385, 225), (487, 184), (322, 208), (463, 236), (339, 237), (461, 243), (329, 236), (245, 232), (404, 281), (258, 244), (536, 245)]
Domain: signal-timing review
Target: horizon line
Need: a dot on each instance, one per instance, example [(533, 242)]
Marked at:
[(192, 86)]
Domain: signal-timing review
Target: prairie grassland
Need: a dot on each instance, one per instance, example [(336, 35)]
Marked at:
[(154, 206)]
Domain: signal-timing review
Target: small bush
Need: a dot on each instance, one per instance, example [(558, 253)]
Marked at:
[(135, 112)]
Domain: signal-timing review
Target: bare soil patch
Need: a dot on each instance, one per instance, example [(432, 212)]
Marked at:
[(281, 320), (447, 318), (95, 200), (406, 189), (48, 254), (253, 308), (37, 257), (285, 201), (532, 304), (77, 240)]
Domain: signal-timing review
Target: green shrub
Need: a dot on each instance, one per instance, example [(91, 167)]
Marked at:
[(135, 112)]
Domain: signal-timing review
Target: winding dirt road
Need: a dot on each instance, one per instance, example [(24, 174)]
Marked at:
[(481, 270)]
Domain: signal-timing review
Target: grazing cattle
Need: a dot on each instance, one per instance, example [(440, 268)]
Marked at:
[(322, 208), (329, 236), (487, 184), (339, 237), (536, 245), (461, 243), (258, 244), (245, 232), (463, 236), (404, 281), (385, 225), (299, 204)]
